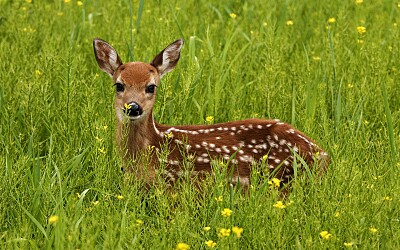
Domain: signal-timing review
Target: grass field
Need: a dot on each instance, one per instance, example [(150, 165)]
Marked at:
[(331, 68)]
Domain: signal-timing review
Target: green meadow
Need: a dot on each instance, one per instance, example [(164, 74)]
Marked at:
[(330, 68)]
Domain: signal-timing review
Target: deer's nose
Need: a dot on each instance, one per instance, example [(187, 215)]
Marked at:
[(133, 109)]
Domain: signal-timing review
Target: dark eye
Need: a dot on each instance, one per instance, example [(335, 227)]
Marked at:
[(119, 87), (150, 88)]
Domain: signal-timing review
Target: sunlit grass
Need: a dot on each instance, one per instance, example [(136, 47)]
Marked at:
[(330, 68)]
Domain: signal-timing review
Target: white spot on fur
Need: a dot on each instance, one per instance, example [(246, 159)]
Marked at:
[(225, 148), (218, 137), (255, 151)]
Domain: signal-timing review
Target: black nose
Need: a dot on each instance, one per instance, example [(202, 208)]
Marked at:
[(133, 109)]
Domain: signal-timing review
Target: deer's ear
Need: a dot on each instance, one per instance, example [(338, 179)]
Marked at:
[(167, 59), (106, 56)]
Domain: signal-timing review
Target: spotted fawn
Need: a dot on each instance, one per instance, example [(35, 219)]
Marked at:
[(241, 144)]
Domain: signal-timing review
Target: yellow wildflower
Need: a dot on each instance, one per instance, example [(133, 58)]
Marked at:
[(387, 198), (127, 106), (182, 246), (316, 58), (226, 212), (38, 72), (223, 232), (102, 150), (265, 158), (210, 118), (289, 23), (95, 203), (60, 13), (274, 182), (373, 230), (170, 135), (206, 229), (237, 231), (325, 235), (233, 15), (28, 1), (219, 198), (67, 1), (210, 244), (120, 197), (332, 20), (337, 214), (361, 30), (279, 204), (359, 1), (53, 219), (79, 3), (139, 222), (348, 244)]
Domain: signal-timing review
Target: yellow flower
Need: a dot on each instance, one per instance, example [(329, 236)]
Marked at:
[(325, 235), (237, 231), (127, 106), (28, 1), (265, 158), (226, 212), (67, 1), (233, 15), (359, 1), (289, 23), (387, 198), (53, 219), (139, 222), (210, 244), (274, 182), (337, 214), (279, 204), (219, 198), (223, 232), (79, 3), (120, 197), (206, 229), (210, 118), (361, 30), (348, 244), (60, 13), (316, 58), (332, 20), (373, 230), (170, 135), (102, 150), (38, 72), (182, 246)]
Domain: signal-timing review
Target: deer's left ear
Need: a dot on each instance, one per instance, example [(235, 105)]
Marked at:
[(167, 59)]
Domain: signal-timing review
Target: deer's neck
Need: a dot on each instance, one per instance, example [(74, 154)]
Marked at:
[(135, 137)]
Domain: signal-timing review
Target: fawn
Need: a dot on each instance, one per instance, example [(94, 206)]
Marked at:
[(242, 144)]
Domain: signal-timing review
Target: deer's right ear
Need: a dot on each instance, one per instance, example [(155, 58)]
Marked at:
[(106, 56)]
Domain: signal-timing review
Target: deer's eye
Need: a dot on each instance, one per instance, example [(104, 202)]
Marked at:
[(151, 88), (119, 87)]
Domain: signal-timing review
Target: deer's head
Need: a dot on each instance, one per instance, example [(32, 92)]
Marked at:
[(135, 82)]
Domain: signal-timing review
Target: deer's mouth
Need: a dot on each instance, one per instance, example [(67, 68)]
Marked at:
[(123, 115)]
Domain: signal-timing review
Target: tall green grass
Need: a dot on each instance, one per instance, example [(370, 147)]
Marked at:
[(265, 59)]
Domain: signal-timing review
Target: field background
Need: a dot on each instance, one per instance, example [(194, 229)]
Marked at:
[(288, 59)]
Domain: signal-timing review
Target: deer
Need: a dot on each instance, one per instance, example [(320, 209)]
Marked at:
[(241, 144)]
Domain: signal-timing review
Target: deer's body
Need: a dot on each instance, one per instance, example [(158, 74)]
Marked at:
[(240, 143)]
